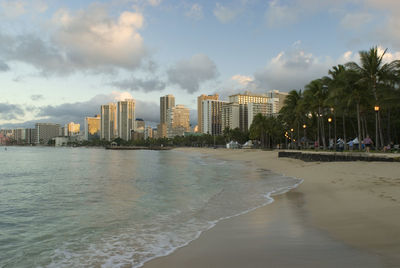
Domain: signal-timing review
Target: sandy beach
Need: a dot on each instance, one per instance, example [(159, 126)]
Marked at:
[(344, 214)]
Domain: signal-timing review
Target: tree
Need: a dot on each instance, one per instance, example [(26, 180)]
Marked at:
[(375, 74)]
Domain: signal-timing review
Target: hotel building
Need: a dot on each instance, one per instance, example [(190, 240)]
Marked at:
[(211, 120), (46, 131), (92, 127), (108, 124), (126, 118), (178, 121), (200, 100), (166, 102), (230, 115)]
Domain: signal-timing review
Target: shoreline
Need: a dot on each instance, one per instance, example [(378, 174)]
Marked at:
[(362, 216)]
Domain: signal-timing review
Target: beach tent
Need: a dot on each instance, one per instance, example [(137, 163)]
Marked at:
[(233, 145)]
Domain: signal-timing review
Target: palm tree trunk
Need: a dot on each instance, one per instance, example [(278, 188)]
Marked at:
[(380, 131), (318, 131), (344, 131), (359, 125), (388, 127)]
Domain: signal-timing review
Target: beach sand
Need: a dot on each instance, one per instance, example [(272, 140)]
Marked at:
[(344, 214)]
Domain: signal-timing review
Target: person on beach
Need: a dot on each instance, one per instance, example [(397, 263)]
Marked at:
[(367, 142)]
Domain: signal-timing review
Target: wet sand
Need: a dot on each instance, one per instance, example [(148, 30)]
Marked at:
[(345, 214)]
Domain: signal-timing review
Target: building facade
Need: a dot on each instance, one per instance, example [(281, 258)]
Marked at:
[(178, 121), (249, 97), (92, 127), (211, 120), (125, 118), (166, 102), (46, 131), (200, 100), (230, 115), (108, 123), (73, 129), (257, 108)]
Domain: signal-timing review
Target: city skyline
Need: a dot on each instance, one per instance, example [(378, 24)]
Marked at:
[(50, 63)]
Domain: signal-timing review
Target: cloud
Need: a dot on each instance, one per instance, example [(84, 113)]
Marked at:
[(137, 84), (77, 111), (195, 12), (16, 8), (4, 67), (225, 14), (190, 73), (85, 40), (243, 80), (37, 97), (91, 39), (10, 111), (291, 69)]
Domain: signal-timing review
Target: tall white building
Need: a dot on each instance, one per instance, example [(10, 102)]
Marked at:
[(211, 122), (257, 108), (126, 118), (230, 115), (108, 121)]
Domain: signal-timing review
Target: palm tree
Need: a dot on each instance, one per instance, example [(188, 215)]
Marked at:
[(292, 113), (258, 129), (374, 73), (315, 94)]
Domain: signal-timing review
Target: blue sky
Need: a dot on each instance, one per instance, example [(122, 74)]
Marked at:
[(59, 60)]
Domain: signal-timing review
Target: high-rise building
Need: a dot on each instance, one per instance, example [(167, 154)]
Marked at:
[(211, 120), (162, 130), (257, 108), (126, 118), (243, 117), (30, 135), (277, 98), (178, 121), (108, 123), (166, 102), (248, 97), (230, 115), (92, 127), (200, 100), (19, 135), (46, 131), (73, 129)]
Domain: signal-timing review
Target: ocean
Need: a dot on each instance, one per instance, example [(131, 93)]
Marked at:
[(79, 207)]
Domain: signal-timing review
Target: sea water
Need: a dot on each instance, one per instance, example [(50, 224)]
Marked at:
[(79, 207)]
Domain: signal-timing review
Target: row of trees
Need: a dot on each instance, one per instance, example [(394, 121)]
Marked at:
[(354, 100)]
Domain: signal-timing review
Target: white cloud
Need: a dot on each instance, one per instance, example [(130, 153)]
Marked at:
[(243, 80), (225, 14), (195, 12), (190, 73), (91, 39), (85, 40), (291, 69)]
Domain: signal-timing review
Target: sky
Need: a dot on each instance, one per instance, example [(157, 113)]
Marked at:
[(60, 60)]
